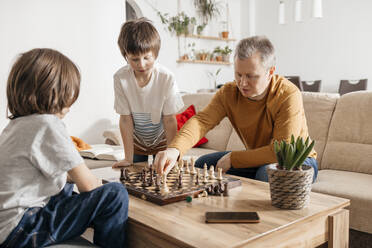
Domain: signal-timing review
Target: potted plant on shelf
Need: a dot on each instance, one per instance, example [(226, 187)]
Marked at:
[(200, 29), (181, 24), (218, 54), (224, 28), (290, 181), (226, 52)]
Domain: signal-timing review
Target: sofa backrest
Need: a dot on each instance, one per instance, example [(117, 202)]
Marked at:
[(319, 108), (349, 145), (219, 136)]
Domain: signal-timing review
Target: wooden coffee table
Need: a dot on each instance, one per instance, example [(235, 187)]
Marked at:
[(182, 224)]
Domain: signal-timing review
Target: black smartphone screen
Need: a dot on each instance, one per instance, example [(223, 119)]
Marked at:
[(232, 217)]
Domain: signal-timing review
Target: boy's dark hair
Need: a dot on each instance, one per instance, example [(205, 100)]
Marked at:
[(138, 37), (42, 81)]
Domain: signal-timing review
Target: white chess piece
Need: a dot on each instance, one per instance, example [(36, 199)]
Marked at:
[(187, 171), (219, 177), (211, 173), (205, 169), (180, 164), (164, 187), (193, 171)]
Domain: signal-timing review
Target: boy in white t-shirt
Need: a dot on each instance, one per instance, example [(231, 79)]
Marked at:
[(146, 94)]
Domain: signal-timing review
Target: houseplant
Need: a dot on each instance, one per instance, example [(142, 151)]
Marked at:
[(214, 76), (225, 52), (207, 9), (218, 53), (179, 24), (290, 181)]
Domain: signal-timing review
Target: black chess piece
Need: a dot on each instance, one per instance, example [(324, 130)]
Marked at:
[(197, 179), (216, 189), (126, 175), (180, 181), (222, 188), (122, 175)]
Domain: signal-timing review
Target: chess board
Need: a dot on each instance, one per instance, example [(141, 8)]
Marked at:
[(136, 187)]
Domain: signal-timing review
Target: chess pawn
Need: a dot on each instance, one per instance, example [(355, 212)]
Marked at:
[(211, 173), (192, 163), (180, 164), (205, 168), (164, 188), (205, 176), (187, 167), (197, 177), (219, 176)]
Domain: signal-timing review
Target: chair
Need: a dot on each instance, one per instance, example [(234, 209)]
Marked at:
[(311, 86), (346, 86), (295, 80)]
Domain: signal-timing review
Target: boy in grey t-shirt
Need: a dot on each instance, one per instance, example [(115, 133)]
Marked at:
[(37, 206)]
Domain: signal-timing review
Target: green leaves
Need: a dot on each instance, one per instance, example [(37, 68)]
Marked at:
[(292, 155)]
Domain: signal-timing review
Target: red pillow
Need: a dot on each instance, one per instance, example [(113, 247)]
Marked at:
[(183, 117)]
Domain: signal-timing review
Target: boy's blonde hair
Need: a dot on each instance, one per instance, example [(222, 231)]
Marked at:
[(42, 81), (138, 37)]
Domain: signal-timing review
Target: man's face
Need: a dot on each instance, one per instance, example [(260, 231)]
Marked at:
[(251, 77), (142, 64)]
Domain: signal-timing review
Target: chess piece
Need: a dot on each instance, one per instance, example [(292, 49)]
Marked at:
[(197, 177), (205, 168), (176, 169), (205, 174), (164, 187), (180, 165), (187, 170), (192, 163), (180, 181), (211, 173), (222, 188), (122, 175), (157, 183), (219, 177)]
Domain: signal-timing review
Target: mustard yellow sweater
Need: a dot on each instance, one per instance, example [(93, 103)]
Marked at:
[(258, 123)]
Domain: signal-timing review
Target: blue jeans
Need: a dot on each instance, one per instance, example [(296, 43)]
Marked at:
[(67, 215), (258, 173)]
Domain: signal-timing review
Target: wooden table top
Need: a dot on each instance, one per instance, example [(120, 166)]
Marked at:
[(185, 222)]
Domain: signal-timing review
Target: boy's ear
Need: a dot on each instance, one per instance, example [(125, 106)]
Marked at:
[(272, 70)]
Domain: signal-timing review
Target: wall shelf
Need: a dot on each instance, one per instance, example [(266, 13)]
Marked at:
[(203, 62), (208, 37)]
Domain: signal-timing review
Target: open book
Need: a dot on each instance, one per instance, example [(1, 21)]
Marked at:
[(104, 152)]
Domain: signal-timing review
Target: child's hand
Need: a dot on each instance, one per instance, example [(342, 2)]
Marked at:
[(123, 163), (165, 160)]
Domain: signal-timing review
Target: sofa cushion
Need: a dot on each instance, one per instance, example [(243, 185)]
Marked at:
[(235, 143), (332, 182), (349, 145), (183, 117), (220, 134), (319, 108), (197, 152)]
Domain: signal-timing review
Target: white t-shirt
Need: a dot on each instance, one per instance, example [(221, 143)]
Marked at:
[(35, 154), (147, 105)]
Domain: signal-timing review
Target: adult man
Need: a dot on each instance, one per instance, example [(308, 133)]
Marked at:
[(261, 106)]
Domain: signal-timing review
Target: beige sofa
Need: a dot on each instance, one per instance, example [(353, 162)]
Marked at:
[(342, 129)]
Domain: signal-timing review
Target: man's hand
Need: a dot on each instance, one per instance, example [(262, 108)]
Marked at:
[(224, 162), (123, 163), (165, 160)]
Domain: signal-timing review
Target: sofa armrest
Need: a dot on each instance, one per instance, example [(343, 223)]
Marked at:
[(113, 137)]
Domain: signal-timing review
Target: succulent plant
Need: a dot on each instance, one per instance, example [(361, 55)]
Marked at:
[(291, 155)]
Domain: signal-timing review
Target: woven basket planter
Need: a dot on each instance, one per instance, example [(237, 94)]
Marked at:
[(290, 189)]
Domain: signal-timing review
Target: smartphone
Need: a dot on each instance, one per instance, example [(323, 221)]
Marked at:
[(232, 217)]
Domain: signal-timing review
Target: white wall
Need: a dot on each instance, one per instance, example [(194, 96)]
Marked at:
[(86, 31), (191, 77), (337, 46)]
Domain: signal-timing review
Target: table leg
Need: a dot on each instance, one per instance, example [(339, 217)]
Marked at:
[(339, 229)]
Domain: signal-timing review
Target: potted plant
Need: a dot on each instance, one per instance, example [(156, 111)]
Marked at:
[(225, 52), (214, 76), (218, 52), (179, 24), (290, 181), (207, 9), (200, 29), (224, 28)]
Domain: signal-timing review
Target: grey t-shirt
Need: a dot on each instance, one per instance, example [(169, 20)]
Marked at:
[(35, 154)]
